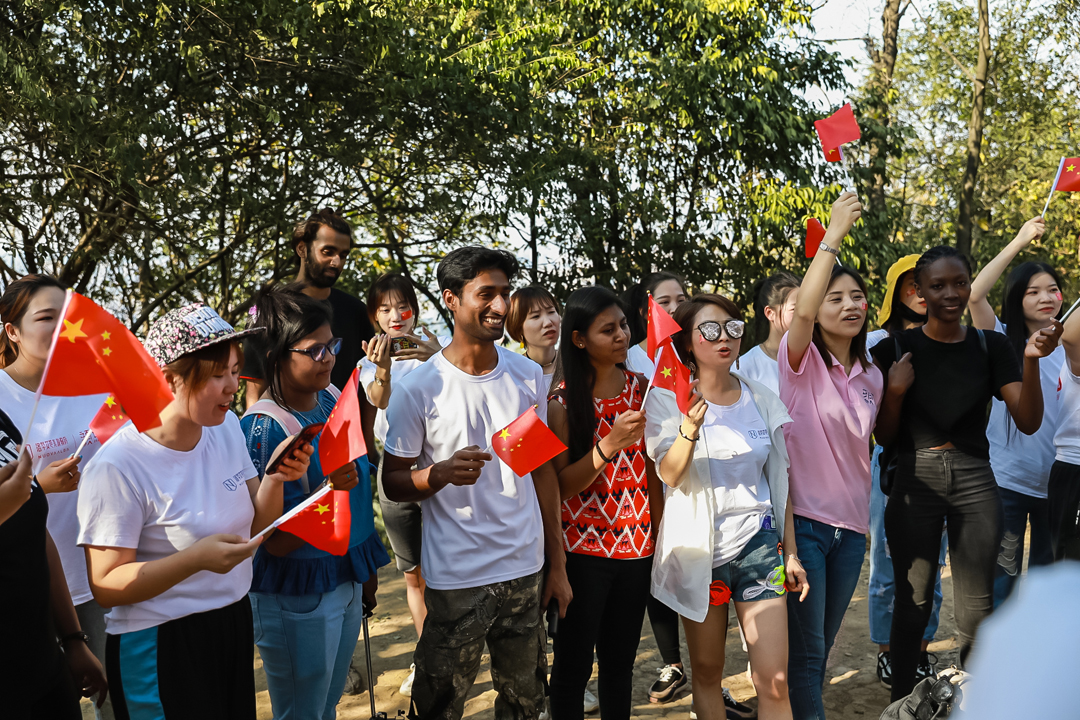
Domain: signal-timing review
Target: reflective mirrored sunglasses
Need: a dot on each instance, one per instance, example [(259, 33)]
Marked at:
[(710, 329), (318, 352)]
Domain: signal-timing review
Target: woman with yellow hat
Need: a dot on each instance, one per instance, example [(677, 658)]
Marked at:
[(901, 310)]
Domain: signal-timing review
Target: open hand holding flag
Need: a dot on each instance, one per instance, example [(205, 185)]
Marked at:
[(526, 444)]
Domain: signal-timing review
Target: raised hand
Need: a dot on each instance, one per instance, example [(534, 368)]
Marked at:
[(378, 351), (1031, 231), (429, 345), (846, 211), (1044, 341)]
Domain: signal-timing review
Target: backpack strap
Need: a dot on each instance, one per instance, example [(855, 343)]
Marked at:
[(982, 340), (285, 420)]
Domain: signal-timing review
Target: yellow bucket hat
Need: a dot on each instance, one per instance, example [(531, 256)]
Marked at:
[(898, 268)]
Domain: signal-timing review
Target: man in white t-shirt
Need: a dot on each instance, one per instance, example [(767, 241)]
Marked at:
[(485, 531)]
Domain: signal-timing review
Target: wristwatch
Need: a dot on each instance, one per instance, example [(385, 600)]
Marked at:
[(828, 249)]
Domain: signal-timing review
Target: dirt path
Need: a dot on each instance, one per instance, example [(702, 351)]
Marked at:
[(853, 691)]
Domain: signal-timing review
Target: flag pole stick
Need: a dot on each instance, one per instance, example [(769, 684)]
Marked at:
[(1061, 166), (1070, 311), (86, 439)]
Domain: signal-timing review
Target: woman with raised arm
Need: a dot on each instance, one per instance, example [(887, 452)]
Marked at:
[(934, 412), (308, 604), (165, 518), (725, 464), (608, 486), (1063, 492), (832, 391), (1021, 463)]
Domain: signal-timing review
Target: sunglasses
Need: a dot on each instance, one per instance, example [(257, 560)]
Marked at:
[(318, 352), (937, 703), (710, 329)]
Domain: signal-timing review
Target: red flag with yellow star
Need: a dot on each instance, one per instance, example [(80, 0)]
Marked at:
[(661, 327), (108, 420), (92, 352), (323, 520), (526, 444), (1070, 176), (672, 375), (342, 439)]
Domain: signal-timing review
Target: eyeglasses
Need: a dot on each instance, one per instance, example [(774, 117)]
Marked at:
[(710, 329), (938, 701), (318, 352)]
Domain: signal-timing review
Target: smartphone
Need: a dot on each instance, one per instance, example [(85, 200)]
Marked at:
[(401, 343), (302, 438)]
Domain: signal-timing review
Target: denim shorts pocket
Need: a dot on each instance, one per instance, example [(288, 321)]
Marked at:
[(300, 604)]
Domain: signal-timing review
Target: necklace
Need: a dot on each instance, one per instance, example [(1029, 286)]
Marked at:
[(542, 365)]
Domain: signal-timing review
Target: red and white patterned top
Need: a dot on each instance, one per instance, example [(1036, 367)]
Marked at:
[(610, 518)]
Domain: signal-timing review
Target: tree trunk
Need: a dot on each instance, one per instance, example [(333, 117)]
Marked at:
[(966, 220), (879, 108)]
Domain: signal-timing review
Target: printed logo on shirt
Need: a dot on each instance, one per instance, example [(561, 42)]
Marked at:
[(235, 482), (758, 434), (868, 397), (10, 438)]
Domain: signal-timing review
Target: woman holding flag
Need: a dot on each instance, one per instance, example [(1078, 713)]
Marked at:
[(30, 309), (308, 603), (608, 486), (164, 518), (720, 450), (832, 391)]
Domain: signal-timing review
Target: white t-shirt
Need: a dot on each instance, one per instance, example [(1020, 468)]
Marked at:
[(59, 427), (737, 441), (756, 365), (1021, 463), (637, 360), (398, 370), (1067, 439), (139, 494), (475, 534)]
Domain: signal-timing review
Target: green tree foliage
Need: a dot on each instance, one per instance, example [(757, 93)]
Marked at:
[(1032, 120), (158, 152)]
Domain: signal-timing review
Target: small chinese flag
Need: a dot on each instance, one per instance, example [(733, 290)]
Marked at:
[(661, 327), (1070, 176), (815, 233), (526, 444), (342, 440), (108, 420), (837, 129), (323, 521), (672, 375), (93, 353)]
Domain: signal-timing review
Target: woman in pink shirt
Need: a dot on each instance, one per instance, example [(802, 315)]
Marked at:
[(832, 391)]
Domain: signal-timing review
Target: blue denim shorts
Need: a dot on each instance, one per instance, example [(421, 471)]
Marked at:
[(756, 574)]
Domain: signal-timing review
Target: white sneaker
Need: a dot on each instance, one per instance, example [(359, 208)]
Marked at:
[(407, 683), (591, 703)]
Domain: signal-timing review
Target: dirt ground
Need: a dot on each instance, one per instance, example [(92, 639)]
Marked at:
[(852, 693)]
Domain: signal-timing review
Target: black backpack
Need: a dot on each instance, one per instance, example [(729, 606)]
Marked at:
[(890, 455)]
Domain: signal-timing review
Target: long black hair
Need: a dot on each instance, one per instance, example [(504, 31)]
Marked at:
[(288, 316), (1012, 307), (574, 367), (635, 302), (858, 343), (771, 292)]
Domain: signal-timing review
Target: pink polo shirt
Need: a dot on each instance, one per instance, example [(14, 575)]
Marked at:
[(828, 439)]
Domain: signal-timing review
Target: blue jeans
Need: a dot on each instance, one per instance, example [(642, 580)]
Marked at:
[(832, 558), (1018, 507), (306, 643), (882, 583)]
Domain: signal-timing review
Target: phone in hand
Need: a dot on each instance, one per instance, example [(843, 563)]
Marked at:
[(302, 438), (553, 617), (401, 343)]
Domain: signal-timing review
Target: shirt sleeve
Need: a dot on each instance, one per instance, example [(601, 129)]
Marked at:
[(811, 355), (406, 427), (367, 375), (262, 434), (1004, 367), (111, 510)]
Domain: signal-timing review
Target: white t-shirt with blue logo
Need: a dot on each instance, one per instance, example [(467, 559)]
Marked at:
[(737, 441), (137, 493)]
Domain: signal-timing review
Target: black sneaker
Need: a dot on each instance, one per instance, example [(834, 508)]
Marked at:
[(927, 666), (737, 710), (671, 679), (884, 669)]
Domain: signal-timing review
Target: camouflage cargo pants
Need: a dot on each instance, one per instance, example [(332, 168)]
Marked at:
[(506, 616)]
